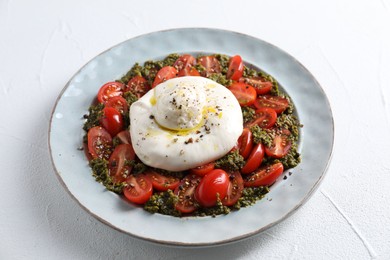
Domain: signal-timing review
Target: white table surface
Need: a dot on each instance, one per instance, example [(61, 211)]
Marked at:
[(345, 44)]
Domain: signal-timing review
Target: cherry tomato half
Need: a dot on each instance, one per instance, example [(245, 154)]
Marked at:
[(265, 118), (203, 169), (185, 192), (109, 90), (137, 85), (236, 68), (124, 137), (99, 143), (189, 71), (264, 176), (184, 61), (254, 160), (245, 94), (261, 85), (116, 164), (280, 145), (245, 143), (235, 187), (212, 185), (112, 120), (161, 182), (119, 103), (211, 65), (279, 104), (138, 189), (165, 73)]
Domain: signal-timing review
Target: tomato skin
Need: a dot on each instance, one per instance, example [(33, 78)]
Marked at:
[(139, 189), (109, 90), (279, 104), (234, 191), (161, 182), (265, 117), (99, 143), (245, 143), (236, 68), (189, 71), (211, 65), (261, 85), (119, 103), (137, 85), (124, 137), (264, 176), (165, 73), (213, 183), (184, 61), (245, 94), (185, 192), (203, 169), (254, 160), (112, 120), (116, 164), (280, 145)]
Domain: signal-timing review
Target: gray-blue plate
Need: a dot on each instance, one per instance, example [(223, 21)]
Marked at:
[(285, 197)]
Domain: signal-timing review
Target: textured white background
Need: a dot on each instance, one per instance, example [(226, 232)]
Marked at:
[(345, 44)]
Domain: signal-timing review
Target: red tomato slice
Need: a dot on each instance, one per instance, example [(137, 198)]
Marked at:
[(139, 189), (236, 185), (119, 103), (161, 182), (212, 185), (245, 94), (280, 145), (211, 65), (124, 137), (245, 143), (137, 85), (254, 160), (99, 143), (116, 163), (184, 61), (112, 120), (203, 169), (109, 90), (185, 192), (279, 104), (265, 118), (165, 73), (264, 176), (261, 85), (236, 68), (189, 71)]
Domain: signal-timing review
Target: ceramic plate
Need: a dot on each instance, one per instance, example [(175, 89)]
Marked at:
[(286, 195)]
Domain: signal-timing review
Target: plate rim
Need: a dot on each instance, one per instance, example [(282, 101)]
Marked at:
[(307, 196)]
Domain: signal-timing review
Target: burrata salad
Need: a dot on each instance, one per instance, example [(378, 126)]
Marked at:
[(191, 135)]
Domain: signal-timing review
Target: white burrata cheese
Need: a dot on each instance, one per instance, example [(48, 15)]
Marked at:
[(185, 122)]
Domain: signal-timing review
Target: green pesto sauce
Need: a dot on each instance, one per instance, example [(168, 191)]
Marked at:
[(250, 195), (163, 202), (224, 62), (248, 114), (261, 135), (101, 174), (232, 161), (149, 69), (218, 209), (95, 113), (138, 167), (130, 98), (221, 79)]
